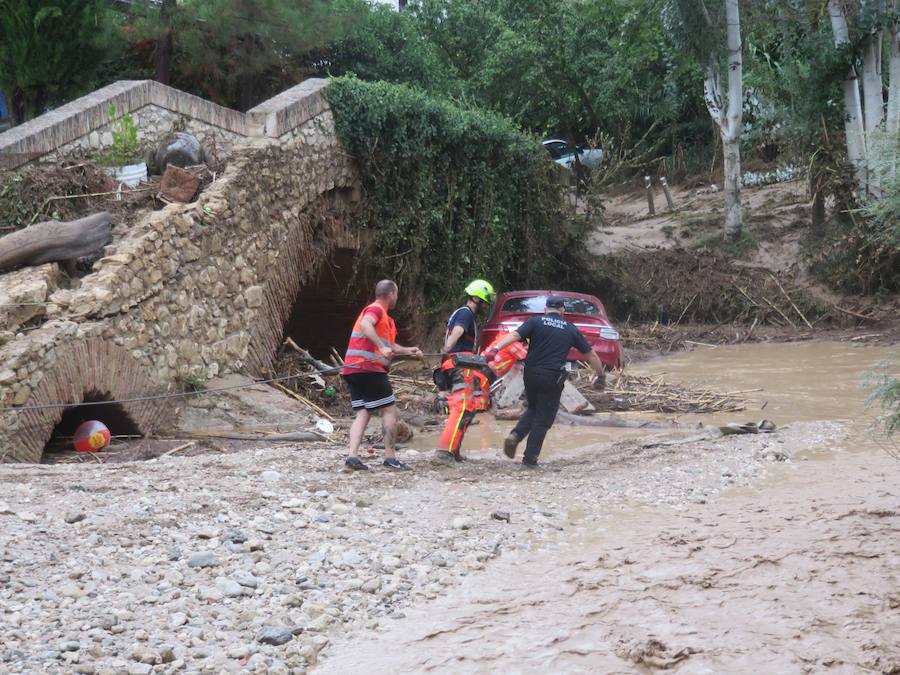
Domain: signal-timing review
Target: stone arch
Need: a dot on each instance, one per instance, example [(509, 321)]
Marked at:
[(93, 369), (310, 240)]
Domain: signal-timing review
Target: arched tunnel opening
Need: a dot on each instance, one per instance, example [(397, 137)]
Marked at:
[(113, 415), (326, 308)]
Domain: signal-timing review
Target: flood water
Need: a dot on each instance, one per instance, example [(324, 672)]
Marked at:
[(785, 382), (757, 581)]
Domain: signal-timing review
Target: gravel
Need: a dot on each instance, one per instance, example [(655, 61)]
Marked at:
[(274, 553)]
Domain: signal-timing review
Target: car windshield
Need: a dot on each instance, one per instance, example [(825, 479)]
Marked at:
[(534, 304), (556, 148)]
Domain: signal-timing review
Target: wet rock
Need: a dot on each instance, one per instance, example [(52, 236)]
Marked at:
[(229, 587), (235, 536), (203, 559), (463, 523), (274, 635), (372, 585), (246, 579), (72, 591), (166, 653), (73, 518), (501, 515)]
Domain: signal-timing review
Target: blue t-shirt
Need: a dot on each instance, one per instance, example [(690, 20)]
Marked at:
[(464, 317)]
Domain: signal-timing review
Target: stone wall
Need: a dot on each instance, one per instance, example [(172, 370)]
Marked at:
[(194, 290), (153, 124), (83, 126)]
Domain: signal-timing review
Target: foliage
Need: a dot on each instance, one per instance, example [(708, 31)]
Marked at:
[(861, 252), (383, 45), (14, 211), (240, 52), (48, 50), (885, 392), (454, 194), (125, 148)]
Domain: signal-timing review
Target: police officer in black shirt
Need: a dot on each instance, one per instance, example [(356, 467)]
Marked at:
[(550, 338)]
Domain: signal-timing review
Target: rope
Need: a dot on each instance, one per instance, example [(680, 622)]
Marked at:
[(181, 394)]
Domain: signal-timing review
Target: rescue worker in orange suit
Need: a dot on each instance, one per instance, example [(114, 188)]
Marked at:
[(469, 389), (370, 351)]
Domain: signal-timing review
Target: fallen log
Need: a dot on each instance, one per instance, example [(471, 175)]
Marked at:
[(300, 436), (54, 241), (563, 417)]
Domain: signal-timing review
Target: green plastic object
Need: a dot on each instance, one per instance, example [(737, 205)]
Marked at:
[(330, 392)]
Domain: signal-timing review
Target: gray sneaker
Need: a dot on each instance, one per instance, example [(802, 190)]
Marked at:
[(356, 464), (510, 444), (394, 463)]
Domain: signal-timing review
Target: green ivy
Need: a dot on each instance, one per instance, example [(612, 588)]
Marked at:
[(454, 193)]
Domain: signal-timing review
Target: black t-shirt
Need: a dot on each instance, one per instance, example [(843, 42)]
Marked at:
[(464, 317), (550, 339)]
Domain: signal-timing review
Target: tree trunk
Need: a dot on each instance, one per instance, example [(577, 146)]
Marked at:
[(873, 108), (731, 133), (732, 154), (52, 241), (873, 101), (892, 123), (853, 117), (818, 206), (165, 44), (892, 120)]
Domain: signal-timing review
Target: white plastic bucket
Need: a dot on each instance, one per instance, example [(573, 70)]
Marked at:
[(130, 174)]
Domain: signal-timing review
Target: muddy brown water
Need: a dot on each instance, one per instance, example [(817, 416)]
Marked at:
[(785, 382), (798, 572)]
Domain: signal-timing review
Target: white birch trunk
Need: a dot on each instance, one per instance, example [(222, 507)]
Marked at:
[(873, 103), (731, 132), (873, 108), (892, 120), (728, 121), (892, 123), (853, 118)]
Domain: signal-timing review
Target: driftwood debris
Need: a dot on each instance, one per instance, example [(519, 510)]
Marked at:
[(53, 241)]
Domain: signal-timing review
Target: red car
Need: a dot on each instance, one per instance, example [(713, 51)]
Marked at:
[(585, 311)]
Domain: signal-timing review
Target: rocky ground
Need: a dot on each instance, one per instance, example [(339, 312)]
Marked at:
[(259, 560)]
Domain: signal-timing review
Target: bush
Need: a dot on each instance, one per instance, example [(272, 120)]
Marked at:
[(454, 194), (125, 148), (861, 253), (886, 394)]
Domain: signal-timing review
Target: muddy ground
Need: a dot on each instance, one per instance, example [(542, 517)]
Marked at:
[(628, 551)]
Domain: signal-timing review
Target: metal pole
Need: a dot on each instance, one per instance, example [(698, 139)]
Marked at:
[(665, 187)]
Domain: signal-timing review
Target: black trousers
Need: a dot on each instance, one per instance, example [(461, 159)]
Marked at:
[(543, 387)]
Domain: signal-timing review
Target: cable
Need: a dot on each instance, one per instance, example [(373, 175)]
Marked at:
[(182, 394)]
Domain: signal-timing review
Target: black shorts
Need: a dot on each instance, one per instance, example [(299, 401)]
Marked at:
[(370, 390)]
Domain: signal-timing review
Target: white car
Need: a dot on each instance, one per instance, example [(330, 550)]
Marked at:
[(564, 154)]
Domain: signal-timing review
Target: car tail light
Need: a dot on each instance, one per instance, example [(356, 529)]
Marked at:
[(608, 333)]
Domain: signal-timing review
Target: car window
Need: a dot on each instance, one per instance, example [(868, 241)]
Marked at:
[(557, 149), (534, 304)]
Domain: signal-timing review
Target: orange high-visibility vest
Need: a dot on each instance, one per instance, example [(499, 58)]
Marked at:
[(362, 354)]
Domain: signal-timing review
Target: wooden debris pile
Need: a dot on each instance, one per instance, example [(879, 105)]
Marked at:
[(626, 391), (305, 380)]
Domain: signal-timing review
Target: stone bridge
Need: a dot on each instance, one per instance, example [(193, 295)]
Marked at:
[(190, 291)]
